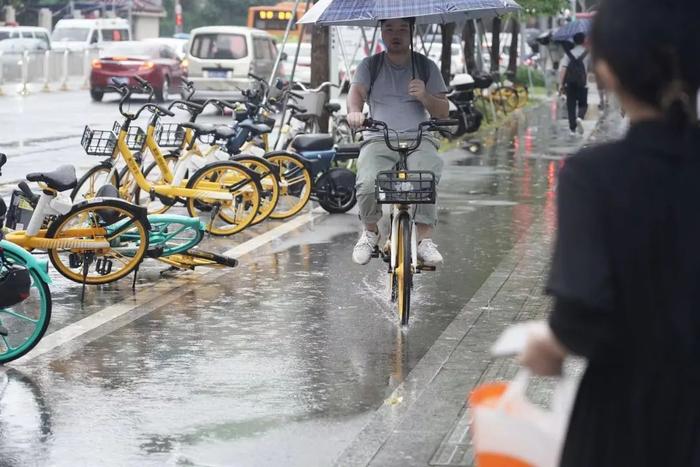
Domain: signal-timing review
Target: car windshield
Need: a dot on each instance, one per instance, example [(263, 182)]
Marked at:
[(115, 35), (132, 49), (70, 34), (219, 46)]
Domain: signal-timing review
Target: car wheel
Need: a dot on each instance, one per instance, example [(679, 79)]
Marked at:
[(163, 93), (96, 95)]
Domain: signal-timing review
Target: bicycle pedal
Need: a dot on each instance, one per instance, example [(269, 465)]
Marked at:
[(3, 331), (423, 267)]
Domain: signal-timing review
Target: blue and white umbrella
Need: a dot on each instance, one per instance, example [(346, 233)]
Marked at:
[(370, 12), (567, 32)]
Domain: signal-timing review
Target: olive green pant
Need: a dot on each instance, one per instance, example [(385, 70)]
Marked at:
[(376, 157)]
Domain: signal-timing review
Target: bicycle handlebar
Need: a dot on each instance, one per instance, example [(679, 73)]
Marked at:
[(191, 107), (429, 125), (126, 92)]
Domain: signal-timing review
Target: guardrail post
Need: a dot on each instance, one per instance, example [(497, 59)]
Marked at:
[(47, 71), (1, 75), (64, 80), (86, 69), (24, 90)]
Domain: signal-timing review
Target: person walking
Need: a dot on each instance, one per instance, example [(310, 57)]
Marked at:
[(625, 273), (573, 82), (402, 100)]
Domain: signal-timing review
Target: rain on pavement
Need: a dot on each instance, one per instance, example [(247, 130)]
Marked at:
[(280, 360)]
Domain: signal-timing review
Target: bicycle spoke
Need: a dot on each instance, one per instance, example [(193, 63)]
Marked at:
[(17, 315)]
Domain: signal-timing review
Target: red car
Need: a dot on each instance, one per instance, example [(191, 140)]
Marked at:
[(121, 61)]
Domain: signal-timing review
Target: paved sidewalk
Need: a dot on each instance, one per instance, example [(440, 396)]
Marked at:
[(426, 421)]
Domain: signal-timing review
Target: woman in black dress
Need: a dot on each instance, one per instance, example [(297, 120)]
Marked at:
[(626, 267)]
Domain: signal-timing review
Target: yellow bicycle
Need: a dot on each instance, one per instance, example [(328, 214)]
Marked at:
[(225, 195)]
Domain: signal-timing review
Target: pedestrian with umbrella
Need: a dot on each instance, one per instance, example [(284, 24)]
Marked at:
[(402, 88)]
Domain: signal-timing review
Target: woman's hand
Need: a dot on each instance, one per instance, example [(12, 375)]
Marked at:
[(543, 354)]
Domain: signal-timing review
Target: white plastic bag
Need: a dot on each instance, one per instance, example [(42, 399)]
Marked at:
[(510, 431)]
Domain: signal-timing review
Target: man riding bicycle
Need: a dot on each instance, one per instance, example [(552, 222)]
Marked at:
[(400, 97)]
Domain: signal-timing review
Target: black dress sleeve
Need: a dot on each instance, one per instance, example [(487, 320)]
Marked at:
[(580, 275)]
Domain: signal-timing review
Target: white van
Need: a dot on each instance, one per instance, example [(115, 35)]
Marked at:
[(80, 34), (219, 59), (26, 32)]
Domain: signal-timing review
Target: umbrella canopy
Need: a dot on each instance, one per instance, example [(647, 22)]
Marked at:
[(568, 31), (370, 12)]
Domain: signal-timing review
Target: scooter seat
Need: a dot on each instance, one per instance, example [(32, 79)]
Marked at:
[(313, 142), (61, 179)]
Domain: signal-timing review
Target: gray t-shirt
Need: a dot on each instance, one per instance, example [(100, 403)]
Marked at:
[(390, 102)]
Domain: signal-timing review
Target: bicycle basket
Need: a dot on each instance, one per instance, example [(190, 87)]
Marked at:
[(20, 211), (170, 135), (135, 138), (98, 142), (312, 102), (408, 187)]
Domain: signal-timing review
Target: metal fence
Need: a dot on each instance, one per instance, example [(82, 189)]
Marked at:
[(48, 69)]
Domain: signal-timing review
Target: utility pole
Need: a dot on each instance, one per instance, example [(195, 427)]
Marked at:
[(320, 62)]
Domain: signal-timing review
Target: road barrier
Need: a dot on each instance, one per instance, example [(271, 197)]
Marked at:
[(45, 70)]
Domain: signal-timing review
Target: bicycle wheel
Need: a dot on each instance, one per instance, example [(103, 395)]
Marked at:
[(225, 217), (92, 181), (403, 275), (157, 205), (25, 322), (295, 183), (270, 195), (172, 234), (121, 235)]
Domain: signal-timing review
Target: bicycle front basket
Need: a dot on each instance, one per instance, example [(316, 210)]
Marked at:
[(406, 187), (98, 142), (135, 138), (170, 135)]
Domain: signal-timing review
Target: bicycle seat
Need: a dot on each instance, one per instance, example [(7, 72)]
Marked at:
[(223, 132), (257, 128), (200, 128), (313, 142), (61, 179), (332, 107)]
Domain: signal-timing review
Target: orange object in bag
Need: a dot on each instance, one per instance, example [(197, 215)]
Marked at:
[(510, 431)]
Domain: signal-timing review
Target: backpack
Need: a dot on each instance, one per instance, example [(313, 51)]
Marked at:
[(576, 74), (422, 64)]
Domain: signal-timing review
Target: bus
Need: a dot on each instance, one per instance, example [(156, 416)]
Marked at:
[(274, 19)]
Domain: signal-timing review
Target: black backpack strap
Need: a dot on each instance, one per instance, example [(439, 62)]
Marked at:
[(375, 64), (422, 66), (569, 54)]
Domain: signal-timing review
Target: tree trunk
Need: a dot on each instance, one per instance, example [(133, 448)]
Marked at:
[(448, 31), (320, 63), (514, 52), (468, 36), (496, 45)]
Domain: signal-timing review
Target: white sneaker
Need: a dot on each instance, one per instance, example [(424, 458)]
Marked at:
[(428, 253), (364, 247), (579, 126)]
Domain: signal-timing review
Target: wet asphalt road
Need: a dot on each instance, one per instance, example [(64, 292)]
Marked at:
[(283, 359)]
